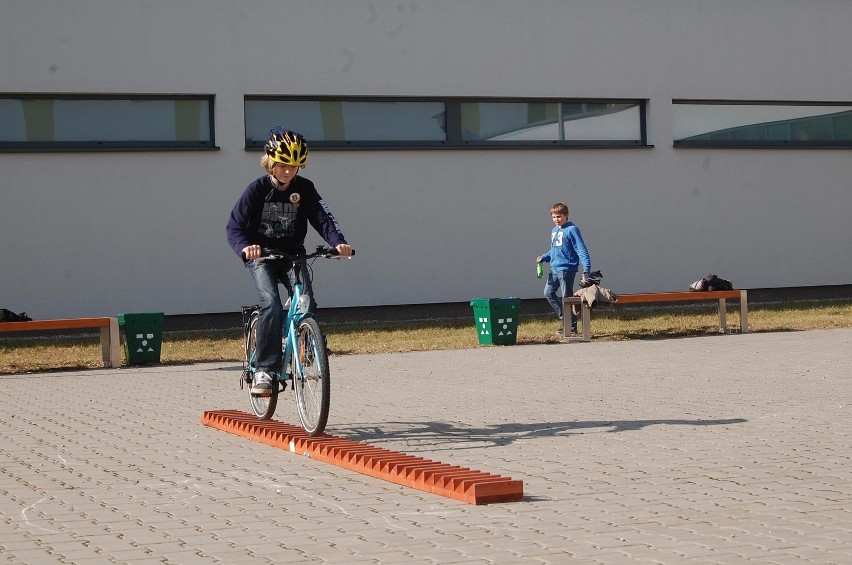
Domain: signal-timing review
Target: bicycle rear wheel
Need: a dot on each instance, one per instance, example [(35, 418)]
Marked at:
[(262, 406), (313, 383)]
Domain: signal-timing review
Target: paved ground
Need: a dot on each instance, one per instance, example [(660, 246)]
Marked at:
[(721, 449)]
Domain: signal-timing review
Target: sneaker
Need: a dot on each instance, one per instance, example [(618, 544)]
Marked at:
[(262, 385), (559, 330)]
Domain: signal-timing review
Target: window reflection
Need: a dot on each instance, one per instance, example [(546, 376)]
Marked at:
[(346, 121), (761, 124), (551, 122), (108, 122)]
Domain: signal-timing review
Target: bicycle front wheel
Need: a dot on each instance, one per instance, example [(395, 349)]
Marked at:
[(262, 406), (312, 383)]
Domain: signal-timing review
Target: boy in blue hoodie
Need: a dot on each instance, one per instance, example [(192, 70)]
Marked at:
[(567, 253), (274, 211)]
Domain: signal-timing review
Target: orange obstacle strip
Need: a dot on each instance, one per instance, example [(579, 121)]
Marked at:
[(467, 485)]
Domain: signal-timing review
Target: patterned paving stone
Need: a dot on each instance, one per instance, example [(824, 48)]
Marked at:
[(723, 449)]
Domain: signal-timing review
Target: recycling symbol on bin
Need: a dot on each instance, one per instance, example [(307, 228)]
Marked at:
[(504, 322), (145, 338)]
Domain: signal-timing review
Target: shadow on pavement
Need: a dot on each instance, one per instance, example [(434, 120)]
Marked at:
[(431, 435)]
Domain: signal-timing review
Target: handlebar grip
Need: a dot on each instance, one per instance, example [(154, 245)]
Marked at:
[(333, 252), (266, 252)]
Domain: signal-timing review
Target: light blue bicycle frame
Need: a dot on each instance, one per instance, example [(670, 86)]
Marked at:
[(291, 325)]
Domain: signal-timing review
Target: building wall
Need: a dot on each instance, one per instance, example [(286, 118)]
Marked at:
[(102, 233)]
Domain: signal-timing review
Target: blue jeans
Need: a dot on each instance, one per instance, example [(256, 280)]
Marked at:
[(562, 282), (270, 323)]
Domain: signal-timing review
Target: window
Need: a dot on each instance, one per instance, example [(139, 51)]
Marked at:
[(583, 123), (344, 122), (447, 122), (761, 124), (91, 123)]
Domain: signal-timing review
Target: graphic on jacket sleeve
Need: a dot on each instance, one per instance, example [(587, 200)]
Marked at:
[(278, 219), (331, 217)]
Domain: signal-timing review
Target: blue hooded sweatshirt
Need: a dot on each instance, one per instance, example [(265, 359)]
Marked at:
[(567, 250)]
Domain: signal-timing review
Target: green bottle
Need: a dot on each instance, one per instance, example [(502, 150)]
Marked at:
[(539, 270)]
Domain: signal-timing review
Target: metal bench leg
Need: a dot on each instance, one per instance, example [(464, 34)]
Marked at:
[(723, 316), (568, 303), (110, 348)]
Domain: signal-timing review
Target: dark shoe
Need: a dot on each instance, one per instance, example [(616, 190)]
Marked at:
[(559, 331)]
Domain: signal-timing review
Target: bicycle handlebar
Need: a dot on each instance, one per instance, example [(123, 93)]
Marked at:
[(276, 254)]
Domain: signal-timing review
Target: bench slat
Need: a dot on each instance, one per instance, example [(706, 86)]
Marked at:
[(60, 324), (677, 296)]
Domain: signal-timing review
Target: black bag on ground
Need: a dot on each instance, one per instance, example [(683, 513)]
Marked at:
[(711, 282), (9, 316)]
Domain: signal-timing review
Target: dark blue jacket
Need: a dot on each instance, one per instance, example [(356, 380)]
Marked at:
[(279, 219)]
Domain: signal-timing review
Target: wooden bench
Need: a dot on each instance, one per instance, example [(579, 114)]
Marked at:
[(656, 297), (110, 348)]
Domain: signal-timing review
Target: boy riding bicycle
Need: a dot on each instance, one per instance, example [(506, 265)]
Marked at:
[(274, 212)]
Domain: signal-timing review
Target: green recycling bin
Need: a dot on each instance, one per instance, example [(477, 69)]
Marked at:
[(143, 336), (496, 320)]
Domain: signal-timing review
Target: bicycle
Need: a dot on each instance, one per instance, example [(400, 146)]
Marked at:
[(305, 356)]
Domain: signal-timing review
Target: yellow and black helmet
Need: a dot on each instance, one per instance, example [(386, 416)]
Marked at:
[(288, 147)]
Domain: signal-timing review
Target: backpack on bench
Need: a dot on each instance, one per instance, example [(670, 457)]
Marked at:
[(711, 282), (9, 316)]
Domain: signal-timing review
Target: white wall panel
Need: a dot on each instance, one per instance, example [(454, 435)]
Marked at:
[(101, 233)]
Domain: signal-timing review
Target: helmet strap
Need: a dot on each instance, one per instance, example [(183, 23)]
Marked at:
[(278, 184)]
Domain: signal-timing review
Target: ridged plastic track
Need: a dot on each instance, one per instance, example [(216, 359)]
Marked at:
[(459, 483)]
